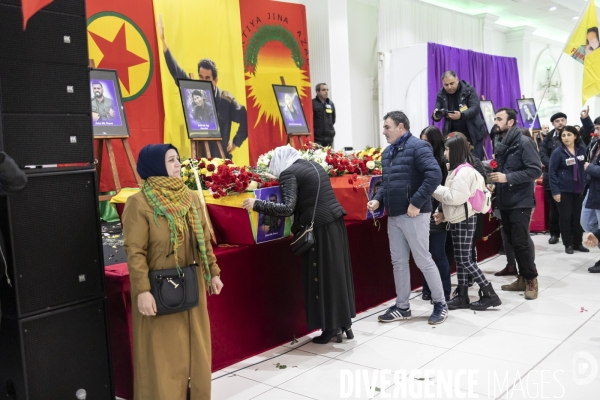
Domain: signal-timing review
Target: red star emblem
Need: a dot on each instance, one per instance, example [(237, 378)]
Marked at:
[(116, 55)]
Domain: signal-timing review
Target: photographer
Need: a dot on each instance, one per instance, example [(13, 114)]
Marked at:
[(458, 103)]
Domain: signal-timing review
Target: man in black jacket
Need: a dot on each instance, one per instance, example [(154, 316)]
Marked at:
[(12, 180), (518, 168), (323, 116), (550, 142), (462, 113)]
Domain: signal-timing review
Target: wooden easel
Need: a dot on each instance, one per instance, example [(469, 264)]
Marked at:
[(196, 144), (299, 136), (111, 157), (113, 163)]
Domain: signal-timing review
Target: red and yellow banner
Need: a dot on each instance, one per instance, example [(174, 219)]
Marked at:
[(275, 42), (122, 36)]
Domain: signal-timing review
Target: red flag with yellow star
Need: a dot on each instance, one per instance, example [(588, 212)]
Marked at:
[(122, 36)]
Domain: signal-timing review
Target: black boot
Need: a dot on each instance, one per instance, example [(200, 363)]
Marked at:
[(460, 299), (487, 298), (327, 335), (348, 331)]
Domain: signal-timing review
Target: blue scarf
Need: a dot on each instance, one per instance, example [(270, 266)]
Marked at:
[(151, 161)]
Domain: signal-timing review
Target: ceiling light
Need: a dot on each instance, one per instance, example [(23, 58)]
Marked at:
[(575, 17), (552, 8)]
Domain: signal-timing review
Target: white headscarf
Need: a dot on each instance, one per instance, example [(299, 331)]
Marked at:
[(283, 158)]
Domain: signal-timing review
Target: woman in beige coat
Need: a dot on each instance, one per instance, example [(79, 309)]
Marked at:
[(170, 351)]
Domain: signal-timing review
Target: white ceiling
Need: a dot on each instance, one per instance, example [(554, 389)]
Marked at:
[(556, 25)]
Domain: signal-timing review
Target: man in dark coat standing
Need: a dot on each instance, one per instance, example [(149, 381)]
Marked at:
[(550, 142), (518, 167), (12, 180), (460, 103), (323, 116)]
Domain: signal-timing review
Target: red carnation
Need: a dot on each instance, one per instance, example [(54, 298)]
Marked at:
[(201, 165), (493, 164), (228, 162), (350, 181), (211, 167), (376, 172), (216, 195), (355, 188)]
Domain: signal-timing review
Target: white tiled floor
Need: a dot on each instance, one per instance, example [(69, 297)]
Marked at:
[(545, 348)]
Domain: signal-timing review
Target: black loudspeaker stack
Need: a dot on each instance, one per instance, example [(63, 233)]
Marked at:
[(53, 332)]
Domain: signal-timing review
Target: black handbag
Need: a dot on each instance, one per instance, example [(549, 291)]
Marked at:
[(305, 239), (174, 291)]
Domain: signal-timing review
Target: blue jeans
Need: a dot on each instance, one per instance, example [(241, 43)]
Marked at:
[(411, 235), (589, 218), (437, 248)]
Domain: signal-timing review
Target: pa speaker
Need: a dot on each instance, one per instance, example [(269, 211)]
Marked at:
[(47, 139), (31, 87), (52, 235), (49, 37), (56, 355)]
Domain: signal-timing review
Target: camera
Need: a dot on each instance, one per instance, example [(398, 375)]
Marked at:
[(439, 114)]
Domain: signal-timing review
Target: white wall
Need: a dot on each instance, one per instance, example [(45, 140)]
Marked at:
[(410, 22), (399, 23)]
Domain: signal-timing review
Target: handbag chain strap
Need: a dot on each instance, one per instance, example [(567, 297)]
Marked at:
[(317, 199)]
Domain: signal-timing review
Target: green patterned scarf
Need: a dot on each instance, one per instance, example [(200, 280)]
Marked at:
[(171, 198)]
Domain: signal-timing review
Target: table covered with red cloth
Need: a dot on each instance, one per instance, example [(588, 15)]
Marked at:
[(262, 304), (538, 219)]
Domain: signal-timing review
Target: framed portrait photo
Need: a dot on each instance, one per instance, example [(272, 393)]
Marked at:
[(108, 114), (198, 101), (291, 109), (527, 112), (488, 112), (269, 227)]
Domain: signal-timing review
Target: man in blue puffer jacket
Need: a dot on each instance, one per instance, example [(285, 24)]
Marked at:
[(410, 176)]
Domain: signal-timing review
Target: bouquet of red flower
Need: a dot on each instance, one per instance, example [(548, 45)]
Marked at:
[(226, 179)]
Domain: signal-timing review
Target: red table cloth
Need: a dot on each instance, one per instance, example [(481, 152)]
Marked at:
[(262, 304)]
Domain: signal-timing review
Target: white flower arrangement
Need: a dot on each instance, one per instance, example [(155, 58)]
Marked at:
[(265, 159)]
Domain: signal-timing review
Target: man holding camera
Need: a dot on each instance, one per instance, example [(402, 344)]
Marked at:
[(458, 103)]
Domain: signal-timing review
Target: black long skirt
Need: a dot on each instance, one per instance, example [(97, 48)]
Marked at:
[(327, 278)]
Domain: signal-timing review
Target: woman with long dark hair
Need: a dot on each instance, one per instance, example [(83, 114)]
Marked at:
[(437, 233), (461, 184)]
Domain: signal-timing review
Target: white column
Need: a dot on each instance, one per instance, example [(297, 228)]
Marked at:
[(488, 32), (329, 60), (518, 45)]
